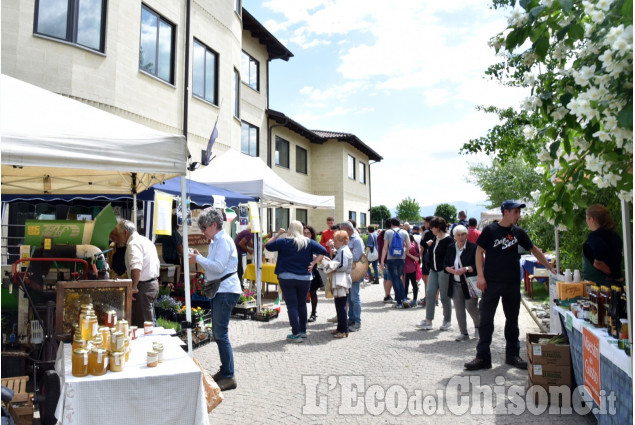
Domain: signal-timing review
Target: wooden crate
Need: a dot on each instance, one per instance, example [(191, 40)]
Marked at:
[(21, 406)]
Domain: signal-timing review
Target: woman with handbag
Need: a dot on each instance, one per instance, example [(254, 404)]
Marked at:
[(294, 269), (372, 253), (340, 267), (460, 262)]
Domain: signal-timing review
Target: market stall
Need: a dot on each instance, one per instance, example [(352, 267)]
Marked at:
[(251, 176)]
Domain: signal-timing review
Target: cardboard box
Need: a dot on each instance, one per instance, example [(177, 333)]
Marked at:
[(558, 396), (547, 354), (570, 290), (549, 374)]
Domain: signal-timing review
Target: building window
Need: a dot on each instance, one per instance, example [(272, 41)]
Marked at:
[(301, 160), (351, 167), (282, 152), (250, 71), (362, 172), (362, 220), (205, 73), (302, 215), (78, 22), (249, 139), (352, 215), (237, 6), (156, 49), (236, 94), (282, 218)]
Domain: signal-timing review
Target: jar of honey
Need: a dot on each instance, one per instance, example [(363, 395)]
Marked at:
[(79, 343), (89, 327), (117, 342), (106, 337), (126, 347), (117, 361), (153, 358), (80, 362), (147, 327), (98, 361), (158, 347), (111, 318), (98, 341), (133, 332), (84, 309), (122, 326)]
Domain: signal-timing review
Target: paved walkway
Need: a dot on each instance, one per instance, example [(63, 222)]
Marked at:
[(389, 372)]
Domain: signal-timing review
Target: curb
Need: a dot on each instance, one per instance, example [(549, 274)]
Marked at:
[(533, 316)]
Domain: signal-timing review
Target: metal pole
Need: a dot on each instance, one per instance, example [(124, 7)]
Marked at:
[(557, 250), (628, 267), (186, 267)]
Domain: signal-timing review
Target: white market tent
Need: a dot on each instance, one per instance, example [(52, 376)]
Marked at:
[(251, 176), (57, 145), (489, 216)]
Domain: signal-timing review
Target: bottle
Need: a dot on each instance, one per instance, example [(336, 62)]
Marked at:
[(593, 299), (605, 297), (576, 276)]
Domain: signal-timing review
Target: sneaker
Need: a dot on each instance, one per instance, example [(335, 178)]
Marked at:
[(516, 362), (462, 337), (446, 326), (477, 364), (340, 335), (354, 327), (312, 318), (399, 305), (476, 334), (227, 384), (294, 338), (425, 325), (303, 335), (332, 319), (388, 300)]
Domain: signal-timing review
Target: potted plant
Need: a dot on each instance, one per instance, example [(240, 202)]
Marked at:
[(246, 299), (265, 315)]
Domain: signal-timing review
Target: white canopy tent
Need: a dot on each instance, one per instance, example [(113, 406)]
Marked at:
[(251, 176), (54, 144)]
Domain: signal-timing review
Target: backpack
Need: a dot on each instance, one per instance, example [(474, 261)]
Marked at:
[(396, 245)]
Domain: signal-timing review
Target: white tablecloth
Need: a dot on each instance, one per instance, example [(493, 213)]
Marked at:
[(171, 393)]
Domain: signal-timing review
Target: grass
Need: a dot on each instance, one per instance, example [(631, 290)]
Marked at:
[(541, 293)]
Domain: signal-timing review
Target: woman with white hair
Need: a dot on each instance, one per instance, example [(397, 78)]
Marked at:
[(294, 269), (460, 263)]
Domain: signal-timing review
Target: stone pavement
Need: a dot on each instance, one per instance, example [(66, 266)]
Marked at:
[(388, 372)]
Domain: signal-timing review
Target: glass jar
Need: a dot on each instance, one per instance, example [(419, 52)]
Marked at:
[(84, 309), (111, 318), (117, 361), (117, 342), (122, 326), (126, 347), (98, 341), (80, 362), (147, 327), (153, 359), (79, 343), (158, 347), (90, 327), (98, 361), (594, 315), (605, 297), (106, 337), (133, 332)]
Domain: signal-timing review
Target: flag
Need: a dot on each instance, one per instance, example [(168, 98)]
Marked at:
[(276, 305), (207, 154)]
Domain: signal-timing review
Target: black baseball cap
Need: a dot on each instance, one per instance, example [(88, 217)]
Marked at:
[(510, 204)]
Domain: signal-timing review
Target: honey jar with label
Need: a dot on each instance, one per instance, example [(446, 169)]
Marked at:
[(98, 361), (117, 342), (117, 361), (111, 318), (80, 362), (153, 359), (106, 337), (89, 327)]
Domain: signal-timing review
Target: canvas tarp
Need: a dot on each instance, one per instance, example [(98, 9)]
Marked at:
[(54, 144), (251, 176)]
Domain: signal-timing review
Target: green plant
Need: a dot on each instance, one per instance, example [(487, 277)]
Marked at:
[(447, 211), (168, 324), (246, 296)]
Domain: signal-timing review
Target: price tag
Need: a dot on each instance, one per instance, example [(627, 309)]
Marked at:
[(569, 323), (537, 350), (538, 369)]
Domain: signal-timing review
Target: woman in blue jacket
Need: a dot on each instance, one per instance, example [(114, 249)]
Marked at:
[(294, 268)]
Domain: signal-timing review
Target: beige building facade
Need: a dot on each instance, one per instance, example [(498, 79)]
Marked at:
[(178, 66)]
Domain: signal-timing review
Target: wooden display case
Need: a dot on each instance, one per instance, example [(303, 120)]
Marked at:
[(104, 294)]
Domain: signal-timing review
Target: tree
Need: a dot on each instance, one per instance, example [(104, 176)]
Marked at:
[(379, 215), (447, 211), (408, 210), (514, 179), (578, 121)]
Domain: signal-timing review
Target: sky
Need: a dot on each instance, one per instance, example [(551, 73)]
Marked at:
[(404, 78)]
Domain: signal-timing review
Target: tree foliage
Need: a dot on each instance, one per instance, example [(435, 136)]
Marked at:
[(578, 122), (514, 179), (379, 214), (447, 211), (408, 210)]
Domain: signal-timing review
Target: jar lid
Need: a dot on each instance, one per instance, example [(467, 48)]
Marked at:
[(123, 321), (99, 350), (104, 329), (80, 351), (152, 353)]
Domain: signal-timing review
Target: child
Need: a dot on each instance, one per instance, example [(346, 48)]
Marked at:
[(341, 266)]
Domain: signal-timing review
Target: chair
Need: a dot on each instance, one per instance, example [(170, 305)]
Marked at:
[(539, 274)]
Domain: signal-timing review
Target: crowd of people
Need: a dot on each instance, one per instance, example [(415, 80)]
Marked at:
[(448, 258)]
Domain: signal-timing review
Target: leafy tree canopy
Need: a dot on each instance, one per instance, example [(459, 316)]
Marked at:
[(447, 211), (408, 210), (379, 214)]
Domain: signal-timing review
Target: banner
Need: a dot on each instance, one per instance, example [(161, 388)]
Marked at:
[(254, 217), (591, 357), (162, 213)]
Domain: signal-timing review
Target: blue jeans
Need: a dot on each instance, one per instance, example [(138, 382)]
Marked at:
[(354, 303), (295, 292), (395, 268), (222, 306)]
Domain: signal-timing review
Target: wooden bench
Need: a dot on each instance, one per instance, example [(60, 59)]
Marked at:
[(21, 406)]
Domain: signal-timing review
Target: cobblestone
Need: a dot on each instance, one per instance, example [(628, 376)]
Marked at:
[(402, 371)]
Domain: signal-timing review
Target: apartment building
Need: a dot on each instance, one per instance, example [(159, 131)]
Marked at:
[(179, 67)]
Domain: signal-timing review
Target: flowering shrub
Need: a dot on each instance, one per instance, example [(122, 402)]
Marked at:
[(197, 313), (168, 303), (246, 296), (577, 59)]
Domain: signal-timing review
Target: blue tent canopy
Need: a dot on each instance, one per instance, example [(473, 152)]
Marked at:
[(200, 194)]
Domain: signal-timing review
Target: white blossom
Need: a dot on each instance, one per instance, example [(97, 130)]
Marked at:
[(529, 132), (626, 195), (612, 179), (600, 182), (535, 194), (609, 123), (597, 16), (544, 156), (562, 227), (559, 113), (621, 45), (583, 76), (529, 78), (613, 34), (529, 58), (605, 5), (593, 163), (602, 135)]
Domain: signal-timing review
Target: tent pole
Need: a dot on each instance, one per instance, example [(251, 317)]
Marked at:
[(258, 262), (186, 267), (557, 250), (628, 266)]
